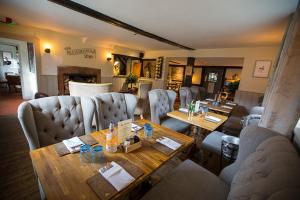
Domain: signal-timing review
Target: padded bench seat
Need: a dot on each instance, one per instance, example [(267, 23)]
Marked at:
[(189, 181)]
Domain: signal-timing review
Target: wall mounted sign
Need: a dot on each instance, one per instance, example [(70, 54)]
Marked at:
[(89, 53), (262, 68)]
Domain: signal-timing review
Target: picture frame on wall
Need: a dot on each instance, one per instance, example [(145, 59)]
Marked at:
[(262, 68)]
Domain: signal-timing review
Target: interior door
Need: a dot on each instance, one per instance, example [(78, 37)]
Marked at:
[(212, 80)]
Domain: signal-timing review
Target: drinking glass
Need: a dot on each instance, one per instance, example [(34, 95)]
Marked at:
[(85, 154), (148, 131)]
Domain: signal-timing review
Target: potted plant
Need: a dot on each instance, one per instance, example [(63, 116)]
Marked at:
[(130, 79)]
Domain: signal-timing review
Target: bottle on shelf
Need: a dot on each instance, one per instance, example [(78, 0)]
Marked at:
[(111, 139)]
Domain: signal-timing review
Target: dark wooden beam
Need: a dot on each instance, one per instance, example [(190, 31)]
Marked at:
[(100, 16)]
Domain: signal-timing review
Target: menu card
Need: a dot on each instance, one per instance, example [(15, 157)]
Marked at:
[(124, 130)]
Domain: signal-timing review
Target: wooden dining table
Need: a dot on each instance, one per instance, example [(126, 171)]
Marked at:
[(66, 177), (198, 120)]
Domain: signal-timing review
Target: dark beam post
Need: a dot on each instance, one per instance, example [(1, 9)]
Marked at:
[(189, 69)]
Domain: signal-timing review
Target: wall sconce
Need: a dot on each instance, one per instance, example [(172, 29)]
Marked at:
[(108, 57), (47, 48)]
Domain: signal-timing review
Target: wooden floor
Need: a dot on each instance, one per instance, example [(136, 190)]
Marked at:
[(17, 179)]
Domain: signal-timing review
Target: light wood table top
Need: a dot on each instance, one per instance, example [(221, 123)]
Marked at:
[(65, 177), (199, 120)]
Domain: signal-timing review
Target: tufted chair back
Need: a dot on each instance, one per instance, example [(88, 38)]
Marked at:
[(143, 98), (113, 107), (186, 97), (198, 93), (50, 120), (161, 102)]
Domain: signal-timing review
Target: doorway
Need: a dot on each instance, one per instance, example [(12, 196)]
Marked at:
[(17, 68), (213, 80)]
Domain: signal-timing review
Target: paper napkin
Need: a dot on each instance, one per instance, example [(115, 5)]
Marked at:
[(168, 142), (212, 119), (117, 176), (73, 144)]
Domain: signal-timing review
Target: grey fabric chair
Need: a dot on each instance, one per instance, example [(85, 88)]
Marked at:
[(267, 167), (187, 94), (234, 125), (113, 107), (213, 141), (186, 97), (162, 102), (50, 120), (142, 107), (198, 93)]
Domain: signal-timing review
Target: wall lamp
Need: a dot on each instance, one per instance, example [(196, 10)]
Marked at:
[(108, 57), (47, 48)]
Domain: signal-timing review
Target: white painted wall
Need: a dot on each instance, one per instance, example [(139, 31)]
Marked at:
[(250, 55), (58, 57)]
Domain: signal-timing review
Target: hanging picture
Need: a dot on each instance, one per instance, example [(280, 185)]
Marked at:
[(31, 57), (262, 68)]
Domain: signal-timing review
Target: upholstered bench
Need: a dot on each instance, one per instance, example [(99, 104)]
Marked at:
[(267, 167)]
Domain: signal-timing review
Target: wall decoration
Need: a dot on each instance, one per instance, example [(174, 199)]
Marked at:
[(6, 57), (89, 53), (31, 60), (158, 68), (262, 68), (116, 68), (149, 66)]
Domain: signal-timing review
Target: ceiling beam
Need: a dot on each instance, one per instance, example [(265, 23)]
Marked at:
[(100, 16)]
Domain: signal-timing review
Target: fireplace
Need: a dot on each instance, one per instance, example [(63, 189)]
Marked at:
[(78, 74)]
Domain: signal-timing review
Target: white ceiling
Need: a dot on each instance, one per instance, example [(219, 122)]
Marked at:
[(194, 23)]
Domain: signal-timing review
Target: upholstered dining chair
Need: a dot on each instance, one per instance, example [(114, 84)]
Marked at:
[(52, 119), (187, 94), (88, 89), (113, 107), (162, 102), (186, 97), (142, 107)]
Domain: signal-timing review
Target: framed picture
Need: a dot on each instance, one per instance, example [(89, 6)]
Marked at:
[(262, 68)]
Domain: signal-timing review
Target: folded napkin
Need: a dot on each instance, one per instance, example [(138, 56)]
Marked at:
[(117, 176), (226, 107), (168, 142), (231, 104), (204, 102), (185, 110), (212, 119), (73, 144), (135, 127)]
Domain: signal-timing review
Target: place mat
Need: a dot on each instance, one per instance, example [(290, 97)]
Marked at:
[(62, 150), (103, 188), (163, 148)]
